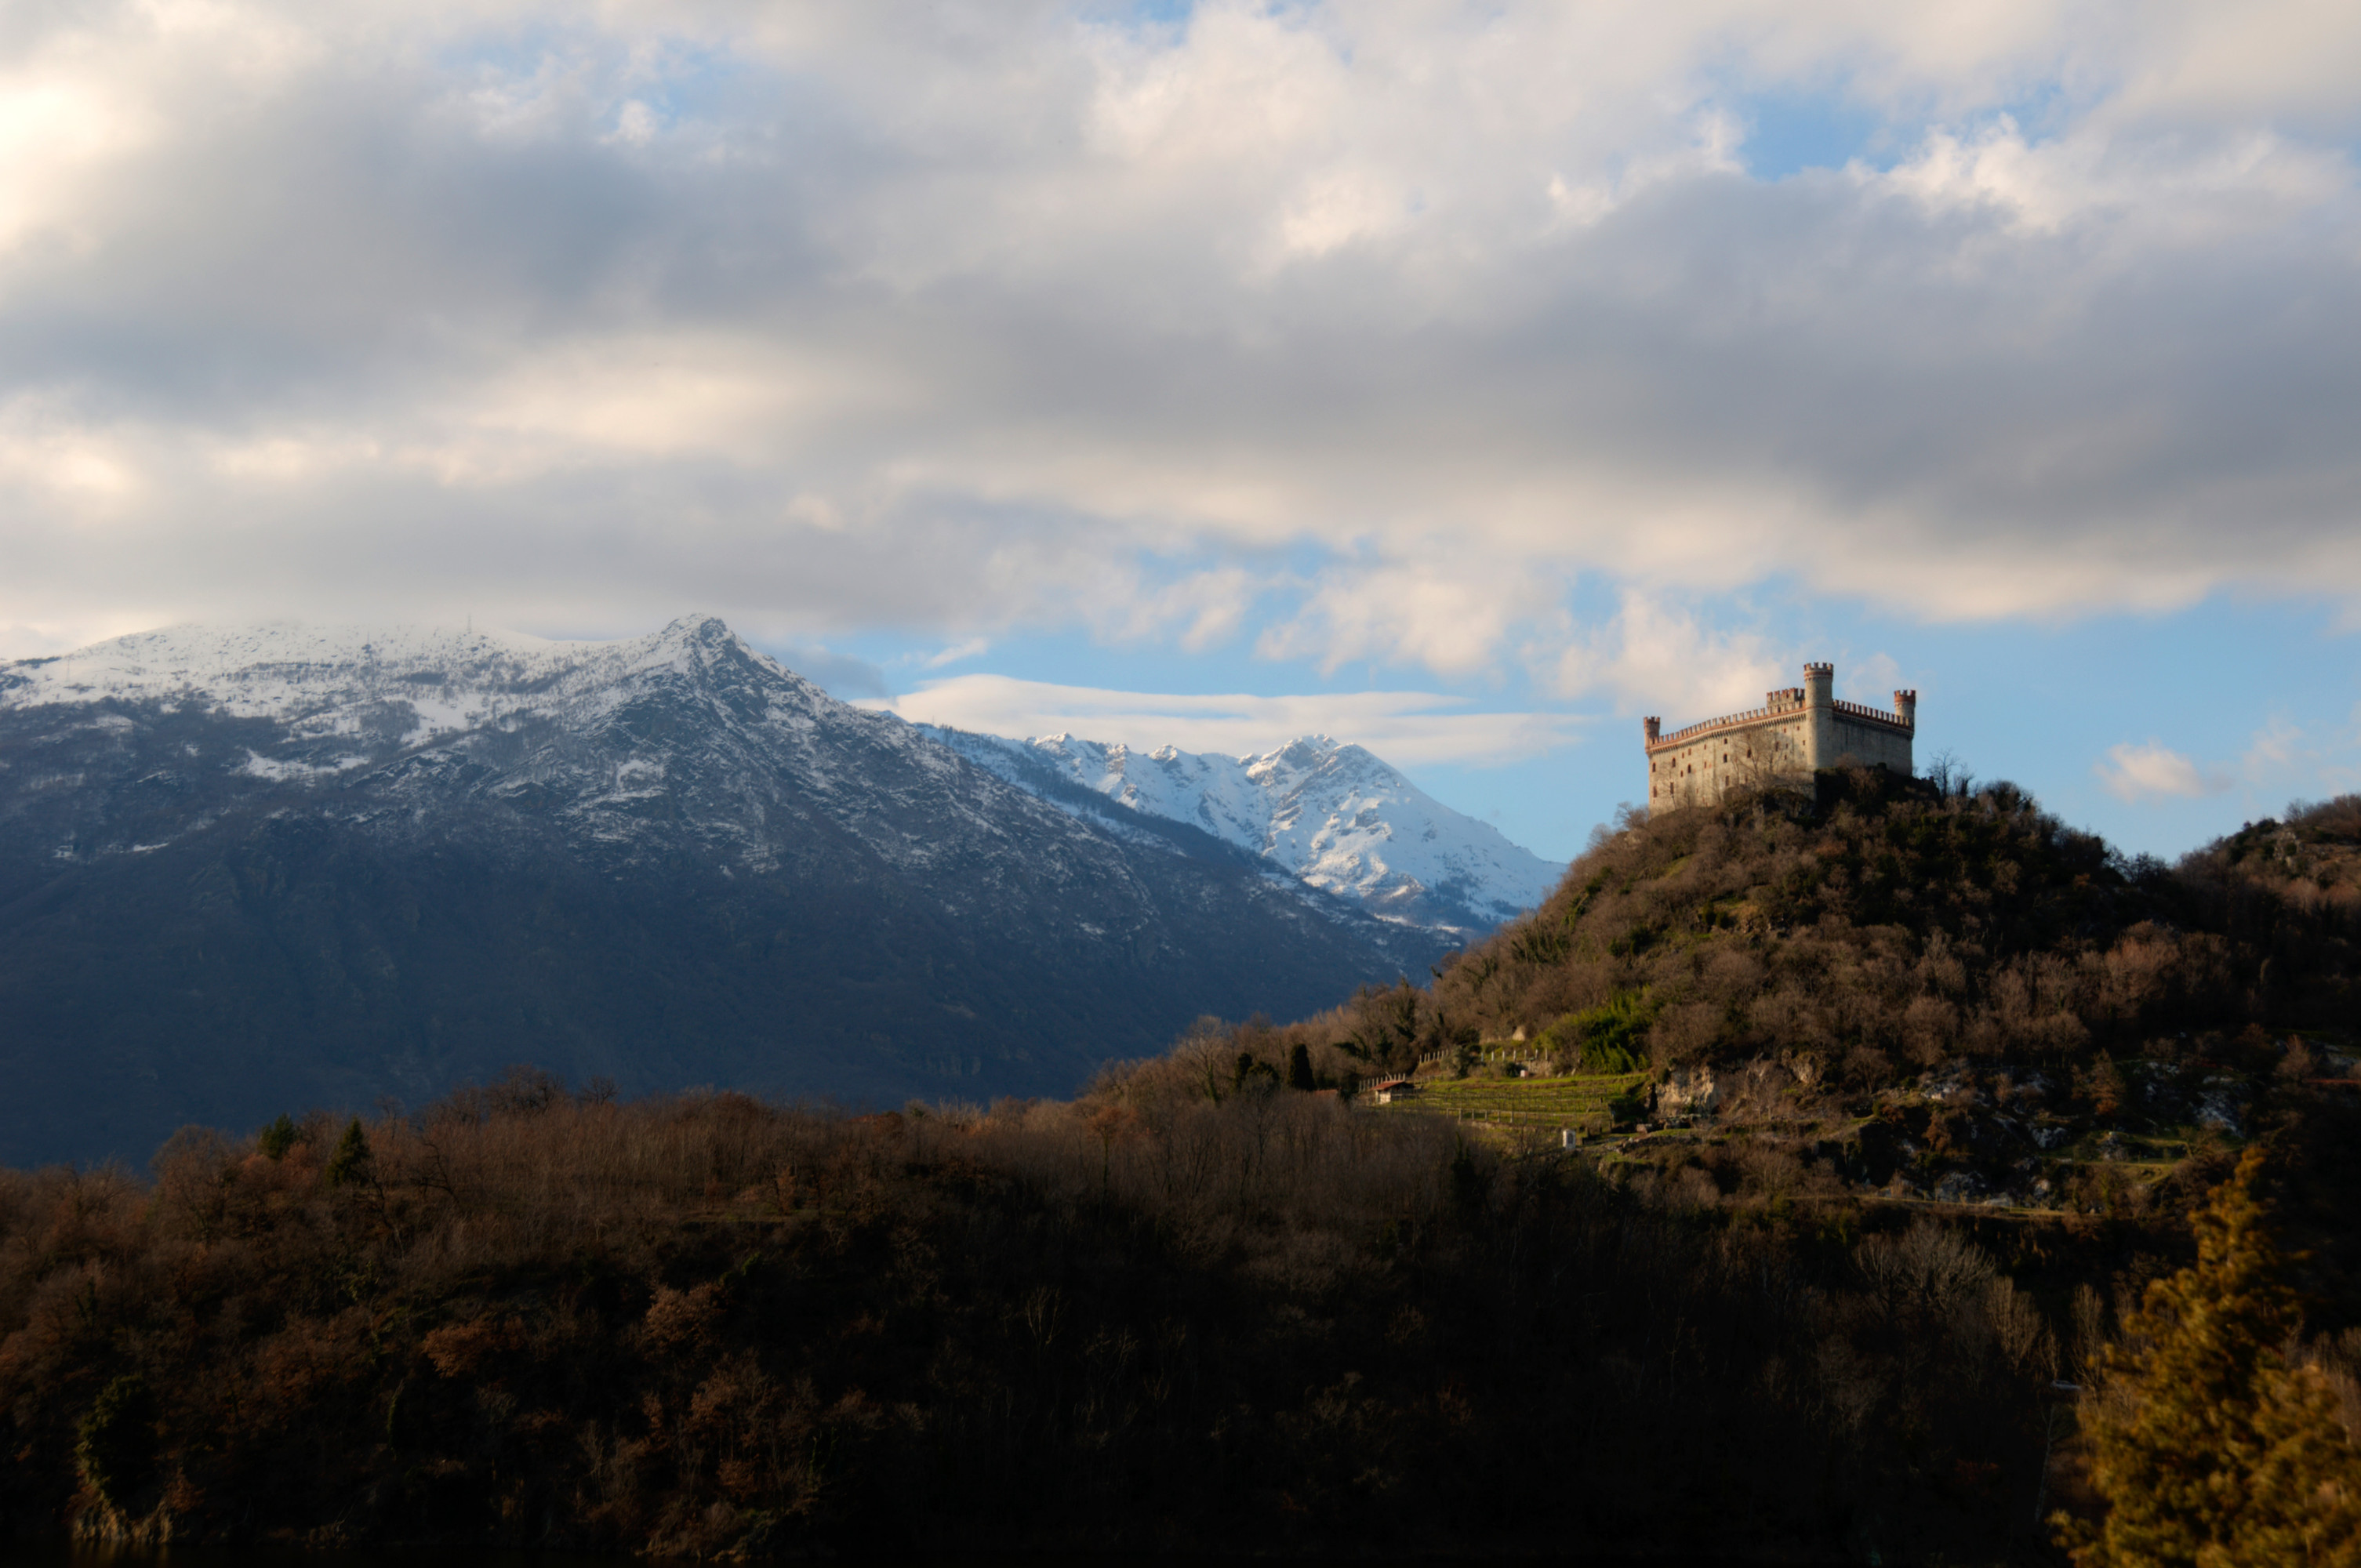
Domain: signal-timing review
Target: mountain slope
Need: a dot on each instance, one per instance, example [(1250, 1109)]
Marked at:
[(1328, 812), (251, 870)]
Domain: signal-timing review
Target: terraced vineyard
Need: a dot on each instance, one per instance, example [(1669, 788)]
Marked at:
[(1578, 1101)]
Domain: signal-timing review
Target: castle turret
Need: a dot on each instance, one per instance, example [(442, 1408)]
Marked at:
[(1654, 727), (1906, 707), (1819, 716)]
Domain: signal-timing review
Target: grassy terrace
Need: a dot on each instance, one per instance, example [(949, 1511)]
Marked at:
[(1577, 1100)]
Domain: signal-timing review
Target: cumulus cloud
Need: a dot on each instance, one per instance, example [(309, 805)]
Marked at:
[(1358, 330), (1656, 653), (2150, 772), (1448, 614), (1404, 727)]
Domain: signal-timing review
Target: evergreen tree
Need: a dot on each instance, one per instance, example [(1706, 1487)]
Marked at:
[(352, 1164), (2209, 1449), (278, 1138), (1299, 1069)]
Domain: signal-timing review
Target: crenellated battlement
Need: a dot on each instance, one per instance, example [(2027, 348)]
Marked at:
[(1706, 727), (1875, 715), (1798, 731)]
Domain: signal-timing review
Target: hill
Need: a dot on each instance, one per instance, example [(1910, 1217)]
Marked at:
[(254, 869), (1881, 928), (1926, 989)]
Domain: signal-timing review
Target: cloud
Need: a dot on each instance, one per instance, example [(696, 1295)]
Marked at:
[(2134, 774), (1450, 615), (1357, 331), (1655, 654), (958, 652), (1406, 727), (2284, 759), (844, 676), (2278, 749)]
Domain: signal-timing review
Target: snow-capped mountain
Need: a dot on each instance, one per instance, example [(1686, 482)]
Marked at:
[(252, 870), (1329, 812)]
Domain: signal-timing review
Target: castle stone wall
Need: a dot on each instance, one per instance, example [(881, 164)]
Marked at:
[(1872, 745), (1732, 756)]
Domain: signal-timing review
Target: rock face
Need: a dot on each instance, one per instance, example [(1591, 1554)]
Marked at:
[(1330, 813), (258, 869), (1688, 1091)]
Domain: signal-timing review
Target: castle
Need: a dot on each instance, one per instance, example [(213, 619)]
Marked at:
[(1795, 734)]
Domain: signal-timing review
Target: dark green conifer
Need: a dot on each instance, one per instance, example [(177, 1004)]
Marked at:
[(278, 1138), (352, 1164), (2210, 1449), (1299, 1069)]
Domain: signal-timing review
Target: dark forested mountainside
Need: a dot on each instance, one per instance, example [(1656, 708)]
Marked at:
[(327, 878), (707, 1327)]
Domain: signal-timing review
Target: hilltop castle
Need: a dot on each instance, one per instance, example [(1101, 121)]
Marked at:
[(1795, 734)]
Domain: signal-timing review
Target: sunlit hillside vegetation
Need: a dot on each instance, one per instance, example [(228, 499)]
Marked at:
[(1865, 936)]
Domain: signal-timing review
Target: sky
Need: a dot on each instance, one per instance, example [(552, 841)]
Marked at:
[(1469, 381)]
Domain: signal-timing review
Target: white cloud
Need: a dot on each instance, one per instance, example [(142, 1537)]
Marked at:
[(1451, 615), (957, 653), (2283, 759), (1659, 656), (2277, 748), (1406, 727), (1353, 329), (2133, 773)]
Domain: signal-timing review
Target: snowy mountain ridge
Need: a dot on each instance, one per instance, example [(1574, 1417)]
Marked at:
[(684, 734), (1326, 811), (248, 869), (342, 697), (321, 678)]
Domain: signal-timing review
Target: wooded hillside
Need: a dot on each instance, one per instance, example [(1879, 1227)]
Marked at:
[(1883, 926), (1979, 1074)]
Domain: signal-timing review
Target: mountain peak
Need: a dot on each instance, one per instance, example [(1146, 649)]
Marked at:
[(1327, 811), (700, 627)]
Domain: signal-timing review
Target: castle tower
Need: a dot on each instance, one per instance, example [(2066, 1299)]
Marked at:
[(1819, 716)]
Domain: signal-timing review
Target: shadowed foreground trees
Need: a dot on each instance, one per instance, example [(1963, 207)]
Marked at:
[(708, 1325)]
